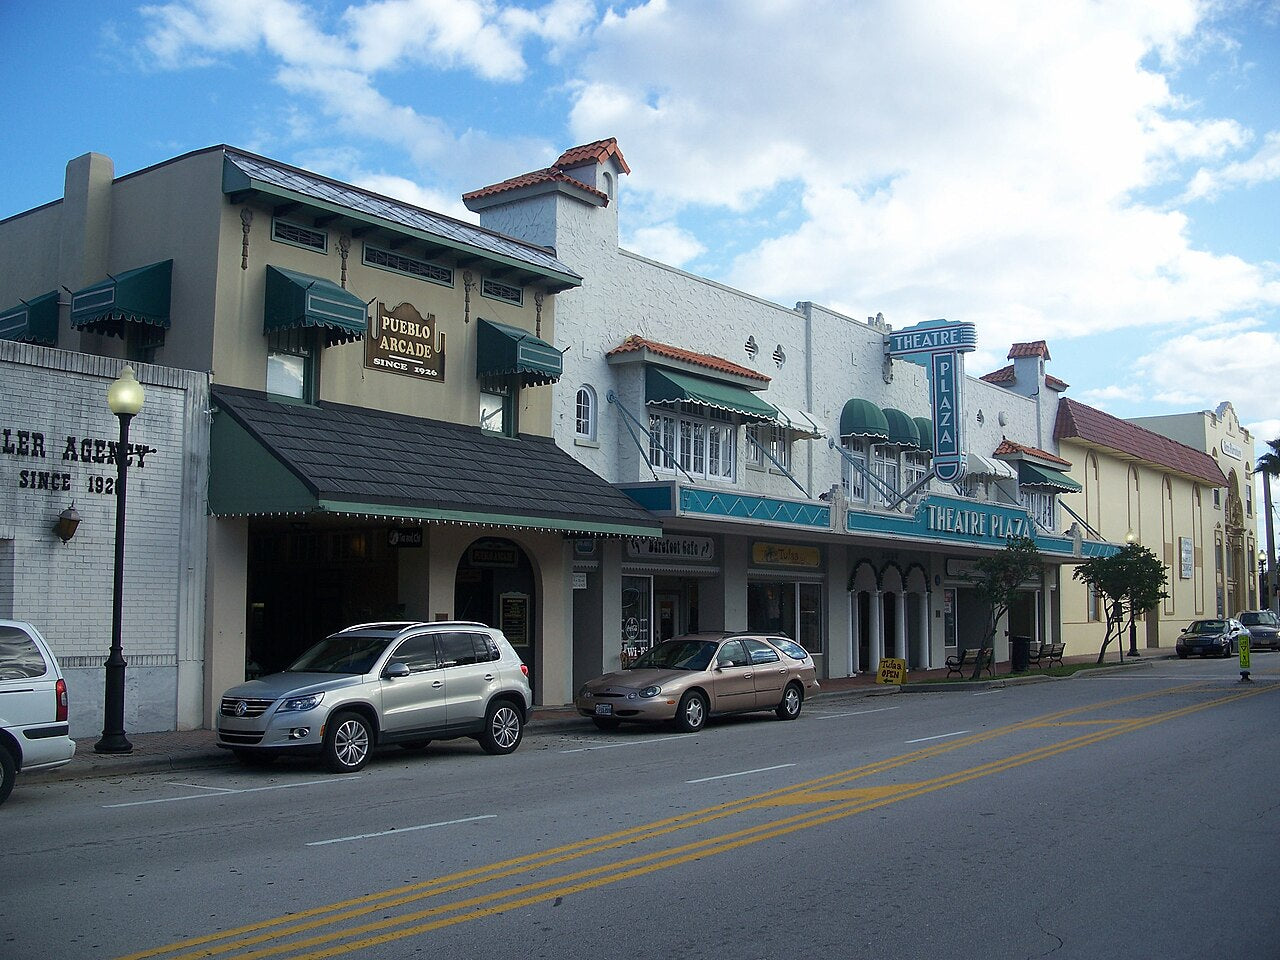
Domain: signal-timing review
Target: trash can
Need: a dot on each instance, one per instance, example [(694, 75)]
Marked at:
[(1019, 654)]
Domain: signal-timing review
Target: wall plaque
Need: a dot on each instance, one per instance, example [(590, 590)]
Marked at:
[(405, 342)]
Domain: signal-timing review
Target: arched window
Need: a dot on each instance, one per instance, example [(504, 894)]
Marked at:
[(584, 424), (1135, 504)]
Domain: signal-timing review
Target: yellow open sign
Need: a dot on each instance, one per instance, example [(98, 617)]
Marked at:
[(892, 670)]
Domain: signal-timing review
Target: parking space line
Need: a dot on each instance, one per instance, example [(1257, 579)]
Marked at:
[(856, 713), (941, 736), (742, 773), (629, 743), (226, 791), (387, 833)]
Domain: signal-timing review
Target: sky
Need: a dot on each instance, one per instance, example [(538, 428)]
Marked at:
[(1104, 176)]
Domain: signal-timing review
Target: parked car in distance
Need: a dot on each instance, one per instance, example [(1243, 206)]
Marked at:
[(690, 678), (1210, 638), (404, 682), (34, 733), (1263, 627)]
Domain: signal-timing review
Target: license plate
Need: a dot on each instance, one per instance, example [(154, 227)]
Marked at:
[(604, 709)]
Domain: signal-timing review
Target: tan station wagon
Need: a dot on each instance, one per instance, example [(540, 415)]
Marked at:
[(691, 678)]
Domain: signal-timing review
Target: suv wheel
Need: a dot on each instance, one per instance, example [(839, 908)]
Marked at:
[(8, 772), (348, 742), (503, 728)]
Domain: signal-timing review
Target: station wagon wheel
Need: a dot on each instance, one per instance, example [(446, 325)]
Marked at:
[(348, 742), (691, 715), (503, 728), (792, 700), (8, 772)]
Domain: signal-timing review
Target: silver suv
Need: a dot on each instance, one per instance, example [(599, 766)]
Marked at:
[(376, 683), (34, 734)]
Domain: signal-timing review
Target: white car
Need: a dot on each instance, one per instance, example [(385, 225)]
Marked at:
[(34, 734)]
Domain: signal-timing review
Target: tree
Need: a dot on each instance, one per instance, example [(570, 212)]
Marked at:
[(1269, 466), (996, 579), (1127, 583)]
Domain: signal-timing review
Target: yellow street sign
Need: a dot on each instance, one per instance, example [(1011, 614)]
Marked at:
[(892, 670), (1244, 651)]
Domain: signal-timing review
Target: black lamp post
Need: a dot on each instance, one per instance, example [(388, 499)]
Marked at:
[(124, 397), (1131, 538)]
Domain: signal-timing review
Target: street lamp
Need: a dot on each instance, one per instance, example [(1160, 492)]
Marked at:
[(124, 397), (1130, 539)]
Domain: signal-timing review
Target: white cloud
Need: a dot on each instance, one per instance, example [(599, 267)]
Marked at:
[(1197, 372), (666, 243), (1263, 166)]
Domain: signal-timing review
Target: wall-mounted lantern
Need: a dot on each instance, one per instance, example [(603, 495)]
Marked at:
[(68, 521)]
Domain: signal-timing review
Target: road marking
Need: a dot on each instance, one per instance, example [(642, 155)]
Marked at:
[(856, 713), (742, 773), (941, 736), (629, 743), (987, 693), (200, 786), (387, 833), (205, 796)]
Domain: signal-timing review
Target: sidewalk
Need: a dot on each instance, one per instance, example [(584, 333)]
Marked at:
[(194, 749)]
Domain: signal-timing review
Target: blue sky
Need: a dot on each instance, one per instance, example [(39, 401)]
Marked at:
[(1102, 176)]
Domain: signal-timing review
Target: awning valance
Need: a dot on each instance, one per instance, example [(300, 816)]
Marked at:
[(504, 350), (32, 321), (924, 427), (1033, 475), (902, 429), (301, 300), (669, 386), (802, 422), (135, 296), (862, 418)]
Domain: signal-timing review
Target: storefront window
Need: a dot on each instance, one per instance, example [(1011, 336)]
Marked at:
[(789, 608), (637, 619), (1040, 505), (853, 479)]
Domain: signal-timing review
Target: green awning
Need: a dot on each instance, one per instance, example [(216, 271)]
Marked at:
[(1032, 475), (135, 296), (924, 427), (32, 321), (902, 429), (862, 418), (301, 300), (502, 351), (670, 386)]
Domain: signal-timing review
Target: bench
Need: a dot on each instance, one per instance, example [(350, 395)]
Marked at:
[(968, 658), (1045, 654)]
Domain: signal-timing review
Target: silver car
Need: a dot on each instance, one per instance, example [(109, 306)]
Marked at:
[(376, 683), (690, 678), (34, 733)]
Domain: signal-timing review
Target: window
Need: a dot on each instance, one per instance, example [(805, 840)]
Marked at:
[(1093, 609), (496, 290), (771, 438), (399, 263), (852, 479), (457, 649), (732, 654), (291, 365), (787, 607), (1217, 498), (495, 412), (1041, 507), (755, 445), (20, 658), (584, 423), (700, 447), (417, 653), (761, 652), (297, 235), (915, 465), (885, 467), (1248, 501)]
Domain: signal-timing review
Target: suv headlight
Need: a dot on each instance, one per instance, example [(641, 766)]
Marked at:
[(648, 693), (309, 702)]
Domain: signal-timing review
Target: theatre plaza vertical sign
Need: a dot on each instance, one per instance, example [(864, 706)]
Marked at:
[(403, 341)]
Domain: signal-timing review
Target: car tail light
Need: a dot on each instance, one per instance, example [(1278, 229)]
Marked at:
[(524, 668), (60, 692)]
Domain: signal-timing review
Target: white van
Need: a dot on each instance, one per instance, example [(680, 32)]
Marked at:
[(34, 734)]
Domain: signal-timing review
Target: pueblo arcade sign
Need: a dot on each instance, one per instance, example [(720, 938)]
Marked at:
[(944, 343)]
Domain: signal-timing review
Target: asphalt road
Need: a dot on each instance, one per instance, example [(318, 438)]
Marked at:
[(1128, 815)]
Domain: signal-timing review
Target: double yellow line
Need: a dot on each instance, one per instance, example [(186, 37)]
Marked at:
[(304, 934)]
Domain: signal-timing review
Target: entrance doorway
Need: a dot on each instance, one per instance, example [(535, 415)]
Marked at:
[(495, 586)]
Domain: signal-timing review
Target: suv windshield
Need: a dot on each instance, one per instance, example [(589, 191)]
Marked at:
[(678, 655), (341, 653)]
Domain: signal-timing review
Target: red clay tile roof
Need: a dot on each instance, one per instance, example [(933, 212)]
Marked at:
[(1005, 375), (549, 175), (1077, 421), (1035, 348), (573, 157), (1008, 448), (637, 342), (595, 152)]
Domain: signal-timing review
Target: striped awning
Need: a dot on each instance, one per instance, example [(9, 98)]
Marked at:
[(663, 386), (504, 350), (135, 296), (1034, 475), (300, 300), (802, 422)]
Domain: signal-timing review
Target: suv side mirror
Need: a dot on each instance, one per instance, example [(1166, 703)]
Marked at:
[(396, 670)]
